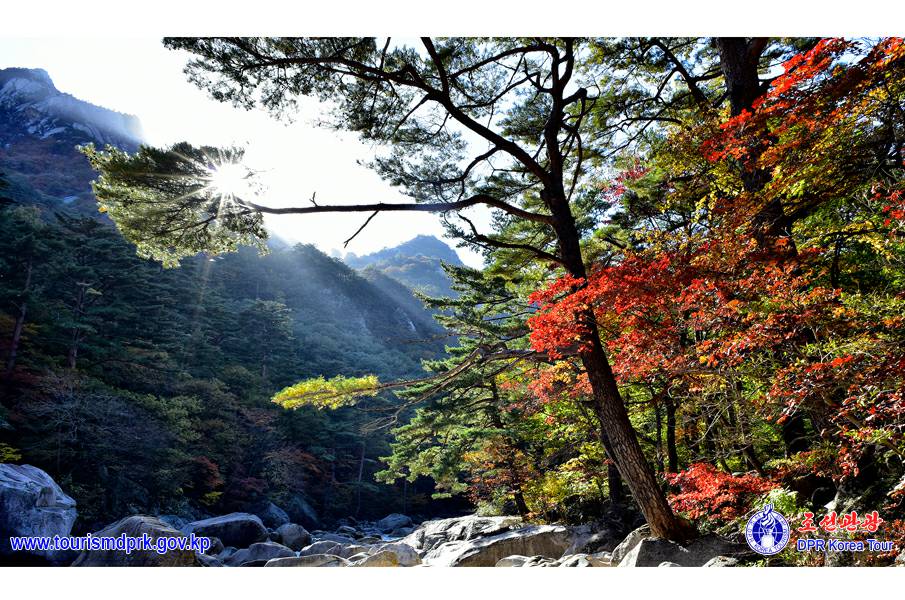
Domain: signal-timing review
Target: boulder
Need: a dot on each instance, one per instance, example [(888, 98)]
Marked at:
[(294, 536), (226, 552), (174, 521), (605, 539), (319, 547), (549, 541), (236, 529), (393, 521), (216, 546), (401, 532), (433, 533), (370, 539), (384, 558), (301, 512), (270, 514), (349, 531), (526, 561), (722, 561), (262, 551), (669, 564), (650, 552), (334, 548), (570, 560), (334, 537), (348, 550), (313, 560), (209, 561), (630, 541), (32, 504), (406, 556), (137, 526), (512, 561), (575, 560), (357, 558), (600, 559)]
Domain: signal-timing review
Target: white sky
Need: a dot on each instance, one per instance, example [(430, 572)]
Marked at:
[(140, 77)]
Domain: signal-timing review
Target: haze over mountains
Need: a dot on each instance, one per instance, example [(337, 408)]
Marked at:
[(416, 263), (221, 334), (40, 128)]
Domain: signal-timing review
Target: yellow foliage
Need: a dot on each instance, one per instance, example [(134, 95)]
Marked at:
[(8, 454), (328, 393)]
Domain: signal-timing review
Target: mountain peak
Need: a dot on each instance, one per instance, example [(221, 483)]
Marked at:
[(40, 129), (421, 245), (32, 106), (39, 76), (415, 263)]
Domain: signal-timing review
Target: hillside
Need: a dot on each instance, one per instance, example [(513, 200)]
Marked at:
[(416, 263), (182, 363)]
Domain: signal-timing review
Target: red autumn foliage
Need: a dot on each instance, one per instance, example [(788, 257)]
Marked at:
[(681, 308), (705, 492)]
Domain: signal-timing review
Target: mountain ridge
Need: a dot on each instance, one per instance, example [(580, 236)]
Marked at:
[(416, 263), (40, 129)]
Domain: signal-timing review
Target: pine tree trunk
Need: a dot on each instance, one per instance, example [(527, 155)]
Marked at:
[(614, 479), (658, 416), (627, 453), (20, 325), (361, 472), (76, 337), (672, 455), (625, 449)]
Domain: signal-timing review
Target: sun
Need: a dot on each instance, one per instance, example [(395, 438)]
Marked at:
[(230, 179)]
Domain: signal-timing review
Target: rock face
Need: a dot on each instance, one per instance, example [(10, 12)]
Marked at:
[(236, 529), (34, 106), (260, 552), (433, 533), (293, 536), (651, 552), (32, 504), (137, 526), (393, 521), (549, 541)]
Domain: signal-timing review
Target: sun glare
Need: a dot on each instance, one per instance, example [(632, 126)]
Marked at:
[(230, 179)]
